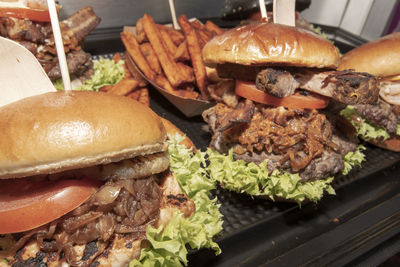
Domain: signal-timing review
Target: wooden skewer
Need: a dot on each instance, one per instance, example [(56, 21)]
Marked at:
[(173, 14), (59, 44), (284, 12), (263, 10)]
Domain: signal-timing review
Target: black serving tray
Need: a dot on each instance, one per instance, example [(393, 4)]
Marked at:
[(338, 230), (358, 226)]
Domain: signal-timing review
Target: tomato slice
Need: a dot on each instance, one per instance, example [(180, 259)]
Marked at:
[(26, 204), (26, 13), (311, 101)]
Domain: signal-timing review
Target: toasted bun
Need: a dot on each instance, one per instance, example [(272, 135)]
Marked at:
[(393, 143), (59, 131), (269, 43), (172, 130), (380, 57)]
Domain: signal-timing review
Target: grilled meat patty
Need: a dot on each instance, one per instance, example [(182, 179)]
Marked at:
[(381, 114)]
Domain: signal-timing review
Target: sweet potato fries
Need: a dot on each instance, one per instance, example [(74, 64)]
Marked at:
[(172, 58), (132, 85)]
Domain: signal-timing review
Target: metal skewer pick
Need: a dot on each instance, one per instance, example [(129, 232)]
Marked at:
[(59, 44)]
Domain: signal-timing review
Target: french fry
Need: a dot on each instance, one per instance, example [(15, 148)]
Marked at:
[(141, 95), (201, 30), (205, 35), (188, 87), (189, 94), (141, 36), (182, 53), (186, 69), (164, 83), (106, 88), (127, 72), (133, 49), (151, 57), (202, 41), (169, 44), (117, 57), (176, 36), (134, 94), (210, 26), (144, 96), (124, 87), (197, 24), (195, 54), (134, 72), (175, 75)]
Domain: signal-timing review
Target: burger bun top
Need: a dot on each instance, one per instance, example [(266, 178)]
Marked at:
[(270, 44), (380, 58), (60, 131)]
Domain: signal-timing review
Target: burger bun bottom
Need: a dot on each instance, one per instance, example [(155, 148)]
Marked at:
[(393, 143)]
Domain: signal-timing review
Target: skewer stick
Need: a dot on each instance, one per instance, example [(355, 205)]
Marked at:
[(284, 12), (263, 10), (173, 14), (59, 44)]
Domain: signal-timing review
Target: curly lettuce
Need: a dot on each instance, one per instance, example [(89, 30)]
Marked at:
[(255, 180), (105, 72), (365, 130), (319, 31), (168, 245), (353, 159)]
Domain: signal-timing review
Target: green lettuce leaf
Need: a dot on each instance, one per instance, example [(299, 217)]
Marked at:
[(255, 180), (319, 31), (106, 72), (365, 130), (168, 246), (353, 159)]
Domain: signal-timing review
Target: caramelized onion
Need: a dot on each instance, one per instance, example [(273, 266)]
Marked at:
[(107, 194), (106, 226), (71, 224), (122, 206)]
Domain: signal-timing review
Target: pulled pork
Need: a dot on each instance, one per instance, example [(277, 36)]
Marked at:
[(296, 141), (119, 207), (347, 86), (37, 37)]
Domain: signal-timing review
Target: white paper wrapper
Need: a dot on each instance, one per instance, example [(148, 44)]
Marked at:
[(21, 74)]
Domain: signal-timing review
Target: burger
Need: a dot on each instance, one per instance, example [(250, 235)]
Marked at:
[(378, 123), (28, 23), (85, 181), (270, 133)]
